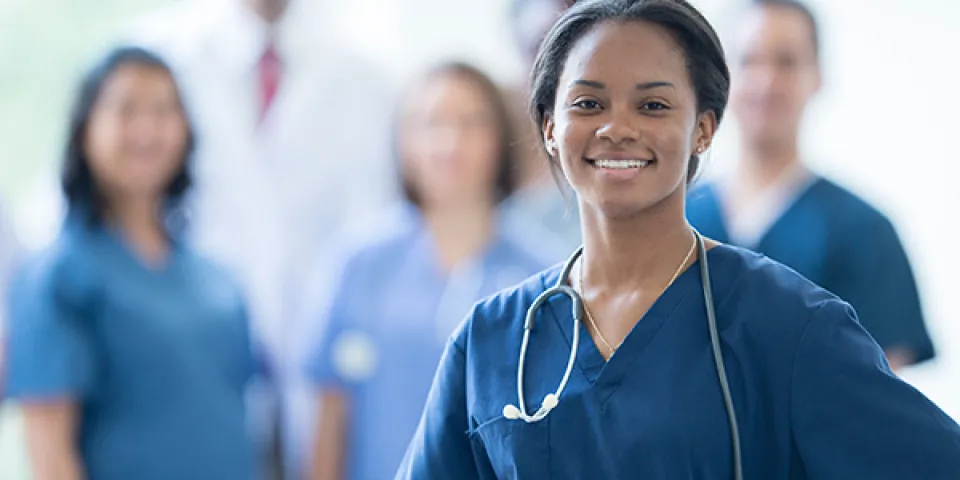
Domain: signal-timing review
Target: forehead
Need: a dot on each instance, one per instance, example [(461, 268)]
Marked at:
[(774, 29), (446, 92), (133, 77), (626, 53)]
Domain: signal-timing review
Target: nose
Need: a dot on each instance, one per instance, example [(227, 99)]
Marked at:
[(446, 138), (618, 127)]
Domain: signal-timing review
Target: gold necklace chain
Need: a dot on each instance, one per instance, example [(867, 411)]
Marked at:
[(593, 324)]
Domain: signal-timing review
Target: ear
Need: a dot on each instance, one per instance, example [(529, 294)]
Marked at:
[(548, 139), (703, 134)]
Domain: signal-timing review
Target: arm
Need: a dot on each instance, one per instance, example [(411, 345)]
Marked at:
[(334, 384), (440, 449), (329, 447), (853, 418), (50, 434), (50, 371), (882, 289)]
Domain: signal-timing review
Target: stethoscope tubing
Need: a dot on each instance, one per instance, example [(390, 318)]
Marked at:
[(551, 400)]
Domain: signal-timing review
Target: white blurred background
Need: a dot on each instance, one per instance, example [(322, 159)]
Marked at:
[(885, 124)]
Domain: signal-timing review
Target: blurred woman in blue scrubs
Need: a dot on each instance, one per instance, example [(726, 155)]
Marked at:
[(401, 295), (629, 94), (128, 352)]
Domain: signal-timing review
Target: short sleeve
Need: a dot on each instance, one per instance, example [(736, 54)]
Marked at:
[(50, 353), (440, 448), (259, 363), (342, 355), (853, 418), (884, 293)]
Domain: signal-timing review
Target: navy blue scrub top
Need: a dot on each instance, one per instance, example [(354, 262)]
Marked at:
[(814, 396), (157, 359), (841, 243)]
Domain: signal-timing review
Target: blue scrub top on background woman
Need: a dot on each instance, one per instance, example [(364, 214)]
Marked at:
[(129, 353), (390, 319), (402, 293)]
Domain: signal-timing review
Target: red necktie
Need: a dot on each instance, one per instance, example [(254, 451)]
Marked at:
[(269, 72)]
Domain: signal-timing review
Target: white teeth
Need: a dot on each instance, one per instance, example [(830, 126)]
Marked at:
[(605, 163)]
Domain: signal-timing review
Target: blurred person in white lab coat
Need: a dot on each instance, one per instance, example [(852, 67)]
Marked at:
[(543, 200), (293, 144)]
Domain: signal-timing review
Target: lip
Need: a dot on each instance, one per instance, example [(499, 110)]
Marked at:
[(618, 156), (619, 174)]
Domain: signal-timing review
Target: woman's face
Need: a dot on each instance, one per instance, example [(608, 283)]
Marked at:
[(450, 142), (136, 134), (625, 120)]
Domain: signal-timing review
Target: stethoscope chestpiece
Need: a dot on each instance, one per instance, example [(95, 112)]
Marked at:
[(511, 412)]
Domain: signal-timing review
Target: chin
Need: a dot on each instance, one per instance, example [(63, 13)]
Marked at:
[(623, 209)]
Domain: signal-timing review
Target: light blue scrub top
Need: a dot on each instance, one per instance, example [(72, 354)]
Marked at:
[(813, 394), (156, 358), (388, 323)]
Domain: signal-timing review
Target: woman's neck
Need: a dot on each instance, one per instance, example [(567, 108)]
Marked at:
[(139, 223), (459, 231), (636, 254)]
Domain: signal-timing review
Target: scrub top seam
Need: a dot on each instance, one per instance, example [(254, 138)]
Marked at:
[(793, 368)]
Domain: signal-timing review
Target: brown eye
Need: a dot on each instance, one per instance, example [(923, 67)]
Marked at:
[(654, 106), (587, 104)]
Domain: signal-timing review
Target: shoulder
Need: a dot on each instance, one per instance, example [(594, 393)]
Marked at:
[(505, 310), (766, 298), (377, 238), (702, 195), (532, 247), (211, 275), (853, 208), (366, 243), (530, 239), (66, 271), (702, 203)]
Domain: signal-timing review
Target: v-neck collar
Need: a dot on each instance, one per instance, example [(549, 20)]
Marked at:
[(605, 376), (789, 206), (425, 247), (107, 237)]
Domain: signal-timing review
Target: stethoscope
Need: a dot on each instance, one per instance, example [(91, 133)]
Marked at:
[(550, 401)]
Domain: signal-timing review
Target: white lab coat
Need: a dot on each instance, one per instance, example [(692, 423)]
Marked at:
[(10, 252), (269, 198)]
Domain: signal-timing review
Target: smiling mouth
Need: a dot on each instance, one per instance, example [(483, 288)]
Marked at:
[(619, 164)]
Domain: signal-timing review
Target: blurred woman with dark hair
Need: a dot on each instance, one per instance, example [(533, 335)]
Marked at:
[(128, 352), (400, 296)]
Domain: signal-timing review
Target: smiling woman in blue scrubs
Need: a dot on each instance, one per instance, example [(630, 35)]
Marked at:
[(401, 295), (629, 93), (128, 352)]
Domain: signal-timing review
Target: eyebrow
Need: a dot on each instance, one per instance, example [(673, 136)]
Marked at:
[(640, 86)]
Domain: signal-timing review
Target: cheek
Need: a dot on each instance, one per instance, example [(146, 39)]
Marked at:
[(571, 138), (102, 145), (483, 152), (174, 136), (676, 145)]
